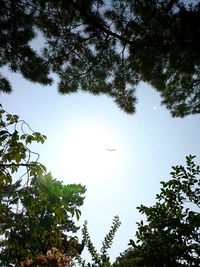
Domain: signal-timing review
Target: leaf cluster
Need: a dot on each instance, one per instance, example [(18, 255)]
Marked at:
[(14, 152)]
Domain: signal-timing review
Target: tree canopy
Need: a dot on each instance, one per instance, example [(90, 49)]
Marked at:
[(106, 47), (171, 235), (37, 211)]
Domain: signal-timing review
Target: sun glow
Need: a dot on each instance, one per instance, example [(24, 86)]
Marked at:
[(91, 153)]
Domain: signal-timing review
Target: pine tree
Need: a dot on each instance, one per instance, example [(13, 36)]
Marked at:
[(107, 47)]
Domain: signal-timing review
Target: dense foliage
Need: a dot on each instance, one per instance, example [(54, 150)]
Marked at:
[(106, 47), (171, 235), (37, 211)]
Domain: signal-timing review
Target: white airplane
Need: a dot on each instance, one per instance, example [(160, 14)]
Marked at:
[(111, 149)]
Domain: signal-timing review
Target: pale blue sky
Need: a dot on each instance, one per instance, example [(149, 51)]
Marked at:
[(147, 144)]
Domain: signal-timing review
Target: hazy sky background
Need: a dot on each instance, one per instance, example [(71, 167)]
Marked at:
[(80, 127)]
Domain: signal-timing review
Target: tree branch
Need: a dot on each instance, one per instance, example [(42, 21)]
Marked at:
[(17, 165), (90, 19)]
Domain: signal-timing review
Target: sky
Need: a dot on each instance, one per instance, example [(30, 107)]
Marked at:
[(81, 130)]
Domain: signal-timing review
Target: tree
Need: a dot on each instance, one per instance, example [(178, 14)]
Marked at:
[(99, 259), (171, 235), (107, 47), (37, 214)]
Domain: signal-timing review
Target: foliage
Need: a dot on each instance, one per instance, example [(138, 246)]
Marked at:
[(99, 259), (36, 213), (171, 235), (130, 258), (107, 47)]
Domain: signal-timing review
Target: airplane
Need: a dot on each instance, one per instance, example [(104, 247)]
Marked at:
[(111, 149)]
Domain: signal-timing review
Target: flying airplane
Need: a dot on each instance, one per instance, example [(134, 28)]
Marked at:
[(111, 149)]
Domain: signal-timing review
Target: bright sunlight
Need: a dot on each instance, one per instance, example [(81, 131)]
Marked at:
[(91, 153)]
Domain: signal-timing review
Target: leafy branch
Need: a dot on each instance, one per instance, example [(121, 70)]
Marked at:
[(100, 259)]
